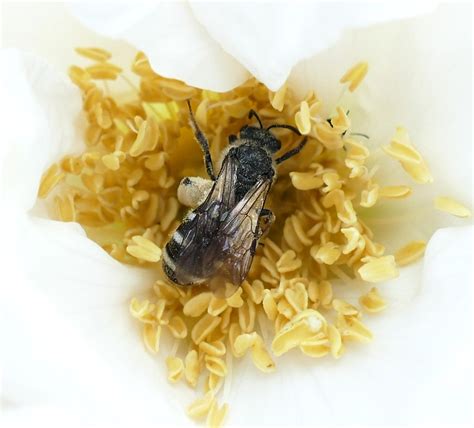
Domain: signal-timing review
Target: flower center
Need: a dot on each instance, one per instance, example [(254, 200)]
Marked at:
[(123, 188)]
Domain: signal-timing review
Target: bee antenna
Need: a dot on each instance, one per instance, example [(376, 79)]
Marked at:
[(253, 113), (291, 128)]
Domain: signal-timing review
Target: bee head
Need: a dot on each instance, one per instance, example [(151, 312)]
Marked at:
[(261, 137)]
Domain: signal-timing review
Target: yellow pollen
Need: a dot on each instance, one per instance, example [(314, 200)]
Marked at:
[(355, 75), (123, 191), (451, 206)]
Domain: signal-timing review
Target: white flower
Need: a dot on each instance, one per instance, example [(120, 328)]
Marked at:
[(70, 352)]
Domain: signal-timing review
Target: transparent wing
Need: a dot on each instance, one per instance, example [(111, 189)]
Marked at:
[(199, 243), (240, 236)]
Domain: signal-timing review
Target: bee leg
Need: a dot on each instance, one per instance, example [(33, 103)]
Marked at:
[(291, 152), (265, 220), (192, 191), (202, 140)]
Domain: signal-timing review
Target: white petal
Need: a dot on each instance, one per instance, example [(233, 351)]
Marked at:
[(417, 370), (270, 38), (388, 377), (42, 111), (418, 78), (57, 47), (176, 44), (68, 340)]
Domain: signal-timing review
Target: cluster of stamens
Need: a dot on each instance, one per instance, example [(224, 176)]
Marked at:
[(122, 189)]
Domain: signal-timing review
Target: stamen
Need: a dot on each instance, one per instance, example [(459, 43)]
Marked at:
[(174, 349), (129, 83), (123, 190), (451, 206), (228, 379), (343, 276), (355, 75), (106, 87)]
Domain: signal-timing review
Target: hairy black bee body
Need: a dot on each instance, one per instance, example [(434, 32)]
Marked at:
[(253, 163), (216, 241)]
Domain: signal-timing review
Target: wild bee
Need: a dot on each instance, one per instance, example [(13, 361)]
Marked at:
[(217, 239)]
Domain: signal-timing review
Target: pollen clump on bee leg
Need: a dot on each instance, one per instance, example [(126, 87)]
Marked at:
[(124, 191)]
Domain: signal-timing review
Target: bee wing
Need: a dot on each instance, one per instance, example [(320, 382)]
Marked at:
[(223, 190), (200, 244), (240, 232)]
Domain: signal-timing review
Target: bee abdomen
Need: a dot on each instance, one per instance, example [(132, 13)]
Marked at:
[(173, 251), (169, 267)]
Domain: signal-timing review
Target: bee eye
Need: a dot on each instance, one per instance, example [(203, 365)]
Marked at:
[(274, 145)]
